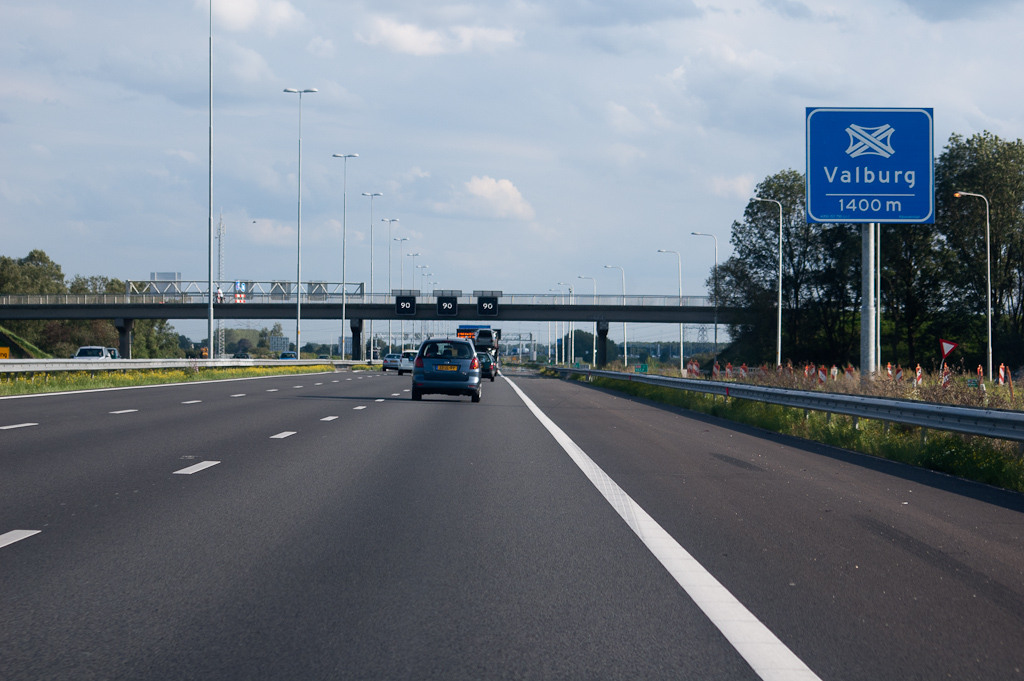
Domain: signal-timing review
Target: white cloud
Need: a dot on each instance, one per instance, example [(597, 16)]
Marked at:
[(41, 150), (738, 187), (321, 47), (625, 154), (622, 119), (270, 232), (246, 65), (181, 153), (412, 39), (243, 15), (489, 197)]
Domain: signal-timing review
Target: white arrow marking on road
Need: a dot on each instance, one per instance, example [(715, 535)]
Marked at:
[(763, 651), (196, 468), (283, 435), (124, 411), (16, 535), (18, 425), (328, 418)]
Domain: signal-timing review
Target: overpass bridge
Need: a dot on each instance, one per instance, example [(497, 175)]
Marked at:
[(324, 301)]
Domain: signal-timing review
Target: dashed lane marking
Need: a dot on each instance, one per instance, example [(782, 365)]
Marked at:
[(769, 657), (296, 386), (18, 425), (124, 411), (239, 395), (380, 400), (195, 468), (272, 390), (318, 384), (328, 418), (192, 402), (396, 394), (283, 435), (358, 408), (8, 538)]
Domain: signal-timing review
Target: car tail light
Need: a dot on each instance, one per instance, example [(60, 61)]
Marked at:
[(418, 363), (475, 364)]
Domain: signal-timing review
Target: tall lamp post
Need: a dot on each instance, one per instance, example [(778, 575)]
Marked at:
[(572, 341), (625, 344), (715, 285), (344, 246), (210, 225), (371, 195), (680, 258), (390, 222), (559, 346), (988, 273), (778, 336), (298, 272), (423, 271), (401, 276), (593, 352)]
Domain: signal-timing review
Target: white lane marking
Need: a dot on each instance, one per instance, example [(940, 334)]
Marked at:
[(18, 425), (406, 390), (192, 402), (16, 535), (283, 435), (396, 394), (380, 400), (348, 379), (124, 411), (318, 384), (296, 386), (239, 395), (764, 652), (272, 390), (196, 468), (334, 381), (328, 418), (358, 408)]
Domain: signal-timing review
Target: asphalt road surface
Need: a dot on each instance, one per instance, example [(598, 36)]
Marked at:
[(327, 527)]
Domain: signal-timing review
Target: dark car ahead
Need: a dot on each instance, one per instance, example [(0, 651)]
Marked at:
[(446, 366), (488, 365)]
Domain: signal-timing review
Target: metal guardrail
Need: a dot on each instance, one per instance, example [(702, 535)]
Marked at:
[(41, 366), (996, 423)]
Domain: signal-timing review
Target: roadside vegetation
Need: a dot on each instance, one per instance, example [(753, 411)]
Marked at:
[(20, 384), (986, 460)]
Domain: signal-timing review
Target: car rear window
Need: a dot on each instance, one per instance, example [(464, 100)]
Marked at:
[(90, 352), (447, 350)]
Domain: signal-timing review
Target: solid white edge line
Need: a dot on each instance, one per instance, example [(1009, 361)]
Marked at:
[(8, 538), (18, 425), (282, 435), (202, 465), (769, 657)]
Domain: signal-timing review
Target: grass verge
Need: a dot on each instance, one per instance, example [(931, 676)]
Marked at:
[(88, 380), (987, 460)]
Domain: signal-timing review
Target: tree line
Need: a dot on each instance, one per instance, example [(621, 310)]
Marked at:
[(933, 275)]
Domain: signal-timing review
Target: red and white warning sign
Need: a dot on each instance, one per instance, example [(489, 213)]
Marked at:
[(947, 347)]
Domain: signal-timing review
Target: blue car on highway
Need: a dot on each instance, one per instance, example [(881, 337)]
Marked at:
[(446, 366)]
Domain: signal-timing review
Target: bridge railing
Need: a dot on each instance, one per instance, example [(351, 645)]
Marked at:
[(181, 292)]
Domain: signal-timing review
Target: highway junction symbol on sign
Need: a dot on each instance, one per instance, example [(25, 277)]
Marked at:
[(870, 165)]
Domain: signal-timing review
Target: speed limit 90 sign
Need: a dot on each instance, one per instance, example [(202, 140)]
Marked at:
[(405, 305), (447, 306), (487, 306)]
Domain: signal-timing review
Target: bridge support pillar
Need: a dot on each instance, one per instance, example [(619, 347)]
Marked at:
[(602, 345), (124, 335), (357, 339)]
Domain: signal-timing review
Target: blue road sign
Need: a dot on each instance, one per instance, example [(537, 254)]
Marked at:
[(870, 165)]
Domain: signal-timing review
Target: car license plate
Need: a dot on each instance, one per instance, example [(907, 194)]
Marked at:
[(447, 367)]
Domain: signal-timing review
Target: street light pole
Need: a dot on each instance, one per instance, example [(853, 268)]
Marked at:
[(390, 222), (680, 258), (401, 275), (210, 225), (572, 341), (298, 271), (370, 335), (344, 247), (778, 337), (593, 352), (988, 273), (559, 345), (625, 344), (716, 287)]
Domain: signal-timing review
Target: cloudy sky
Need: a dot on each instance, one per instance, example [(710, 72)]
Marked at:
[(520, 144)]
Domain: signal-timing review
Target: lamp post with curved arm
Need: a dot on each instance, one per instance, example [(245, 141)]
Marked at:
[(559, 351), (715, 286), (572, 341), (390, 222), (344, 247), (370, 334), (625, 343), (778, 337), (988, 273), (680, 258), (298, 231), (593, 352)]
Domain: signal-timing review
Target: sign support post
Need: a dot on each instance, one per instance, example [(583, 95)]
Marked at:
[(867, 297)]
